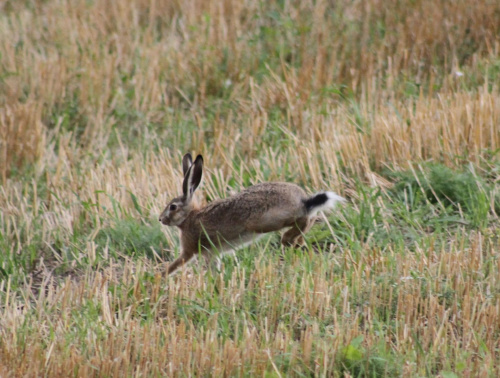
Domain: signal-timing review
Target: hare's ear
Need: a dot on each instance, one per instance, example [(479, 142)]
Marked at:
[(192, 178), (187, 161)]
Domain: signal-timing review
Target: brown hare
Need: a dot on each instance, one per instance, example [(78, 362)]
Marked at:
[(226, 224)]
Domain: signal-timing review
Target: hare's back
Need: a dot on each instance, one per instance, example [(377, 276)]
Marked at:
[(261, 198), (263, 207)]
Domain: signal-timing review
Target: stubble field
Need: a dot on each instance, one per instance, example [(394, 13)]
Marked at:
[(393, 104)]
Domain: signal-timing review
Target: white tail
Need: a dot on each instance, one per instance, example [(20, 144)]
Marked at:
[(322, 201)]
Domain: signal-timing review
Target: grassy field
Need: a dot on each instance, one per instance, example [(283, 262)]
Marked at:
[(393, 104)]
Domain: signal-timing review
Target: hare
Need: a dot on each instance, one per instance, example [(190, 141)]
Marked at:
[(226, 224)]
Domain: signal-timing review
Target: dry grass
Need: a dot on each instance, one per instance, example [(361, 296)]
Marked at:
[(306, 315), (98, 101)]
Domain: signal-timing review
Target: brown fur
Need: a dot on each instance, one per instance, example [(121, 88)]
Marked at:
[(225, 224)]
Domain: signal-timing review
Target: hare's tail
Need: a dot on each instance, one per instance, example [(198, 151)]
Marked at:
[(322, 201)]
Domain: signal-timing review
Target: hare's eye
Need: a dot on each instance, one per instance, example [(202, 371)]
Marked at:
[(173, 207)]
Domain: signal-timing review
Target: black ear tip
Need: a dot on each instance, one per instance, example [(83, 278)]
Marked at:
[(188, 156), (199, 158)]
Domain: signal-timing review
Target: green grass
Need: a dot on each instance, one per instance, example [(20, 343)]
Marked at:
[(131, 237), (456, 195)]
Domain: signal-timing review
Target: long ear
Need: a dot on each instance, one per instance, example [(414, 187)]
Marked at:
[(187, 161), (192, 178)]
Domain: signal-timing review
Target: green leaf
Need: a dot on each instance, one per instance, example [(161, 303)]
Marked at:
[(353, 354), (448, 374)]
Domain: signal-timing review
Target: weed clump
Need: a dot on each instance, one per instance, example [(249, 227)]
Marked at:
[(356, 361), (461, 191), (131, 237)]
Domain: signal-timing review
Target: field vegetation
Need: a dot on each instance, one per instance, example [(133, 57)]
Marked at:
[(393, 104)]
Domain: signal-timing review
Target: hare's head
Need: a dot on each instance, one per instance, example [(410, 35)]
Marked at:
[(179, 208)]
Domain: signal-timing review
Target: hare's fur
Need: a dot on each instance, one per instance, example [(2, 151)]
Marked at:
[(226, 224)]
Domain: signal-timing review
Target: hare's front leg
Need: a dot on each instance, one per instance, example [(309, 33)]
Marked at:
[(185, 256)]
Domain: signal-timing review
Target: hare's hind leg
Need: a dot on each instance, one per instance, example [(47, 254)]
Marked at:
[(294, 236), (179, 261), (212, 261)]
